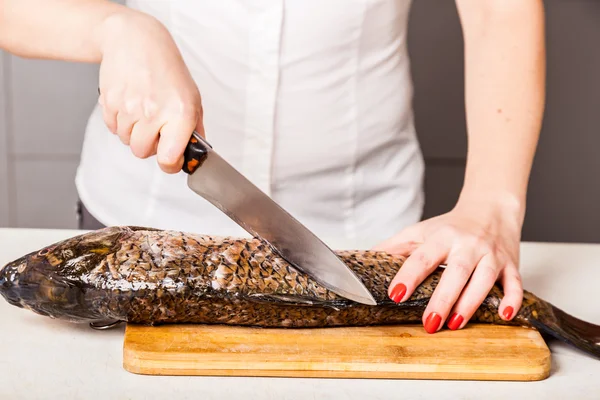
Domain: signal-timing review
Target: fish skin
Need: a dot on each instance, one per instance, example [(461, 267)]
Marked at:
[(150, 276)]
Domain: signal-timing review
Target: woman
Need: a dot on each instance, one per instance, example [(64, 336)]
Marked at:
[(311, 101)]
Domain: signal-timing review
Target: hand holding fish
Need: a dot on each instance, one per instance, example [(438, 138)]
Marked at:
[(479, 244), (147, 94)]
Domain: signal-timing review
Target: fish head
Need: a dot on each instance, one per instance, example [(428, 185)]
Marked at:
[(51, 281)]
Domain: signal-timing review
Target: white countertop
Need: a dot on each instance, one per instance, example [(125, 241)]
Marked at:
[(47, 359)]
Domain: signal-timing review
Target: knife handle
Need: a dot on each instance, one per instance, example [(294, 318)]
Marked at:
[(195, 153)]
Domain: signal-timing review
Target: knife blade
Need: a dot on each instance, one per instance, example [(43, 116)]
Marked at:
[(211, 177)]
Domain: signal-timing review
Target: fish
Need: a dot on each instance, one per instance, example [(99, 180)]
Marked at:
[(150, 276)]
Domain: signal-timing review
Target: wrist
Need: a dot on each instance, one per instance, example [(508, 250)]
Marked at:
[(494, 187), (493, 201), (114, 26)]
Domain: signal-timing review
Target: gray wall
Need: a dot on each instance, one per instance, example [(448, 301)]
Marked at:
[(44, 107), (564, 192)]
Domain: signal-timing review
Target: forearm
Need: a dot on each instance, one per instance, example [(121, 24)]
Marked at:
[(504, 91), (68, 30)]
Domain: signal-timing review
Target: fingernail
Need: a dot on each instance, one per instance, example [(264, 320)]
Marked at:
[(432, 323), (455, 321), (398, 292), (508, 311)]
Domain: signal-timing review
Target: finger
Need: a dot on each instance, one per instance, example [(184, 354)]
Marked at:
[(150, 110), (200, 124), (110, 101), (475, 292), (513, 292), (415, 269), (401, 249), (109, 116), (125, 122), (144, 139), (174, 137), (460, 266)]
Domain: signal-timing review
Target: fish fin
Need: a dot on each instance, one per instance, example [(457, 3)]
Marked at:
[(141, 228), (558, 324)]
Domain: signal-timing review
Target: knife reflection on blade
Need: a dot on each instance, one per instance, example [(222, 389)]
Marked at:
[(211, 177)]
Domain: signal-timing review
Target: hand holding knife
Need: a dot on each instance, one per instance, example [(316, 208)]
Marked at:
[(211, 177)]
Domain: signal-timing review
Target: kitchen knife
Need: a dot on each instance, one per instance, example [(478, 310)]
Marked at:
[(217, 181)]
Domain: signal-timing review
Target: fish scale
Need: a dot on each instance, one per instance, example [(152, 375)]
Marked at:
[(150, 276)]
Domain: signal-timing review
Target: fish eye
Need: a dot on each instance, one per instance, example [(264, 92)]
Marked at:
[(45, 251)]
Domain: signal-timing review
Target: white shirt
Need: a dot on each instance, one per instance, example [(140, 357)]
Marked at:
[(309, 99)]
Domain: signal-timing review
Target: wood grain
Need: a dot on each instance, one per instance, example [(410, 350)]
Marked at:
[(478, 352)]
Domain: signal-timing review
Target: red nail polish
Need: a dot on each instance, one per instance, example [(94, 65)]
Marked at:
[(432, 323), (398, 292), (455, 321), (508, 311)]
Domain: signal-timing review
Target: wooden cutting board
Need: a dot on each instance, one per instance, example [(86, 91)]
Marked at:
[(478, 352)]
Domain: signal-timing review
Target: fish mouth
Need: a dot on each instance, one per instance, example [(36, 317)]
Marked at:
[(22, 279), (9, 280), (29, 283)]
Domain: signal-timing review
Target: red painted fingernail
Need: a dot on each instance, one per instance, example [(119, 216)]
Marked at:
[(455, 321), (432, 323), (508, 311), (398, 292)]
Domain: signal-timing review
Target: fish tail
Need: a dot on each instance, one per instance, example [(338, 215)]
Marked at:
[(554, 322)]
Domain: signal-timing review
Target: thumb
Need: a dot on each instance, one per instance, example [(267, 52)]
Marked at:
[(174, 138), (200, 124)]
